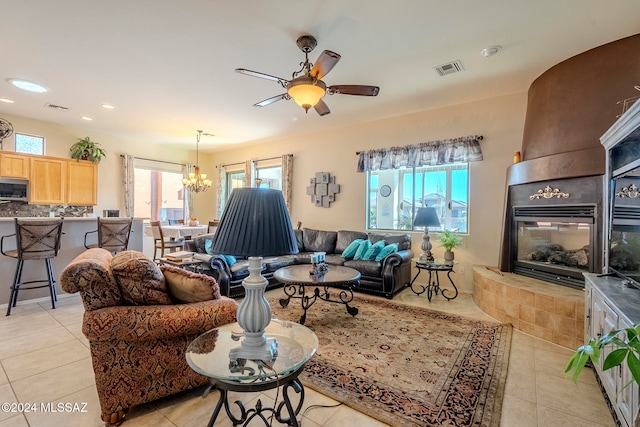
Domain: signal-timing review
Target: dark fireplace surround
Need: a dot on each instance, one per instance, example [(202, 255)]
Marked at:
[(561, 177), (549, 207)]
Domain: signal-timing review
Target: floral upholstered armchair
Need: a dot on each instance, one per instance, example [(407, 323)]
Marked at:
[(137, 329)]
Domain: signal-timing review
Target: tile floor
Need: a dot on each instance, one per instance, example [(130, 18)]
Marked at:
[(45, 358)]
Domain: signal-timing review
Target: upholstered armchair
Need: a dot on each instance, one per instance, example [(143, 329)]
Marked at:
[(137, 332)]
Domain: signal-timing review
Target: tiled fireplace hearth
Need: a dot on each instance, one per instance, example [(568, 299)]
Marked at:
[(544, 310)]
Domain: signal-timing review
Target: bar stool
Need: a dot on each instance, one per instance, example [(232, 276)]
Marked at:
[(35, 239), (113, 234)]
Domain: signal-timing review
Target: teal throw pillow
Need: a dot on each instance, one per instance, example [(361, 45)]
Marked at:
[(208, 244), (374, 250), (362, 249), (389, 249), (350, 251), (230, 259)]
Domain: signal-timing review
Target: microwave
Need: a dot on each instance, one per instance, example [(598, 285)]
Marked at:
[(13, 189)]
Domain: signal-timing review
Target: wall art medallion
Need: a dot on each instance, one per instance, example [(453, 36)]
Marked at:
[(323, 189)]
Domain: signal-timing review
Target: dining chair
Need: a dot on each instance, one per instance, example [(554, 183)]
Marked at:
[(159, 242), (113, 234), (36, 239), (213, 226)]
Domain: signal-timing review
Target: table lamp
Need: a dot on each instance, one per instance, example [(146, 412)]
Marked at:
[(255, 223), (426, 217)]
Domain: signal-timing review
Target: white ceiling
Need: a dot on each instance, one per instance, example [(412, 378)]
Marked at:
[(168, 66)]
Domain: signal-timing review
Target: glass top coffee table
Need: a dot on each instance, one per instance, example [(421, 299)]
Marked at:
[(296, 279), (208, 355)]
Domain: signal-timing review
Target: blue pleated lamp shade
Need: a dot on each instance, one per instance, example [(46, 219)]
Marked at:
[(255, 222), (426, 217)]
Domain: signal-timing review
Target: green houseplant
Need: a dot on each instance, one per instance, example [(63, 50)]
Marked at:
[(449, 240), (86, 149), (627, 347)]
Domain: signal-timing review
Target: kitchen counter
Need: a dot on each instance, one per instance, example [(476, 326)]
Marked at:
[(72, 245)]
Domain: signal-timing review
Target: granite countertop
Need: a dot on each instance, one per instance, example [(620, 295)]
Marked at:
[(625, 298)]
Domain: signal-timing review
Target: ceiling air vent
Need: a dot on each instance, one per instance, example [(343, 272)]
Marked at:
[(449, 68), (56, 107)]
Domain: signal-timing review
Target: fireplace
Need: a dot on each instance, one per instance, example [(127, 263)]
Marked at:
[(554, 243), (555, 230)]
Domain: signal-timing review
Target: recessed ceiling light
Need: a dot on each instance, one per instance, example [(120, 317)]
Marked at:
[(490, 51), (28, 86), (8, 101), (86, 118), (108, 106)]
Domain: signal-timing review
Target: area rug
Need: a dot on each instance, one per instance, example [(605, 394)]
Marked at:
[(405, 365)]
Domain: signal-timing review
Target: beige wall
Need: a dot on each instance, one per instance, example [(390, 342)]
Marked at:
[(500, 120)]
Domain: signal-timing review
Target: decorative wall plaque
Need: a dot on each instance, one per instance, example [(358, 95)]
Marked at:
[(323, 189), (549, 193)]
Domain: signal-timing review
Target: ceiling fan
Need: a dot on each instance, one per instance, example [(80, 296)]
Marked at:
[(306, 87)]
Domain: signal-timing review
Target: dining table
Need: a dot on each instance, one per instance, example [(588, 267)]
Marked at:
[(179, 231)]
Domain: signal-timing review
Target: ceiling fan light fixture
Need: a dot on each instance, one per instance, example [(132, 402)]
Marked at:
[(306, 91)]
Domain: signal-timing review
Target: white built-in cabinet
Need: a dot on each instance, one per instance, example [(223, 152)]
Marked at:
[(609, 304)]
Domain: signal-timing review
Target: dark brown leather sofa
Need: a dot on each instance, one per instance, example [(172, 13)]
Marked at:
[(383, 278)]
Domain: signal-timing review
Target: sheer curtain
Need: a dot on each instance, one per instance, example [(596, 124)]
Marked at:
[(249, 173), (221, 190), (128, 181), (456, 150), (287, 179), (187, 206)]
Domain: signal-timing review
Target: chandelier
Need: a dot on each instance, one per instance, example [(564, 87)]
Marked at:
[(196, 181)]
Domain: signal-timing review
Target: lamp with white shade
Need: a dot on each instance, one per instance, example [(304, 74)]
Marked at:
[(255, 223)]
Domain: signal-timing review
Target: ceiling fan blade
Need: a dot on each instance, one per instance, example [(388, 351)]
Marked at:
[(272, 100), (262, 75), (354, 90), (325, 63), (321, 108)]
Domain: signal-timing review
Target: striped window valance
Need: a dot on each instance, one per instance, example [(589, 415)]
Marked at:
[(456, 150)]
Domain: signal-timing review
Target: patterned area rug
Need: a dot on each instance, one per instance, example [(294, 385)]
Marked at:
[(407, 366)]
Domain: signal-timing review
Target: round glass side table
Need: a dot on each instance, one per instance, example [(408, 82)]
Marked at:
[(208, 355), (433, 283)]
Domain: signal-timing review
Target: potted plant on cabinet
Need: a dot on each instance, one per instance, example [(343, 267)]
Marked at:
[(627, 343), (86, 149), (449, 240)]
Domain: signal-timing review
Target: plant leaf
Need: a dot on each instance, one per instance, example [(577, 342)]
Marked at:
[(634, 366), (615, 358)]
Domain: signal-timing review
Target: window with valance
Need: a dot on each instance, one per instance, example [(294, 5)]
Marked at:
[(435, 174)]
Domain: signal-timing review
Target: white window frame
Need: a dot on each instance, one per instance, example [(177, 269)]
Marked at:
[(399, 200), (17, 136)]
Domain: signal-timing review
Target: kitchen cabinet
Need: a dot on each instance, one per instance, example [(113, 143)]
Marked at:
[(14, 166), (47, 181), (82, 183)]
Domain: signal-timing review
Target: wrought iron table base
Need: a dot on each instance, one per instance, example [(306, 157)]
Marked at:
[(433, 284), (298, 291), (287, 382)]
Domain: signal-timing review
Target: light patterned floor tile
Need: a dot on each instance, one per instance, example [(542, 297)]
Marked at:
[(548, 417), (16, 421), (7, 396), (55, 383), (518, 413), (36, 340), (26, 365)]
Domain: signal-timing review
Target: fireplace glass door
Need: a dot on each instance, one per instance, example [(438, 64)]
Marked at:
[(554, 249)]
